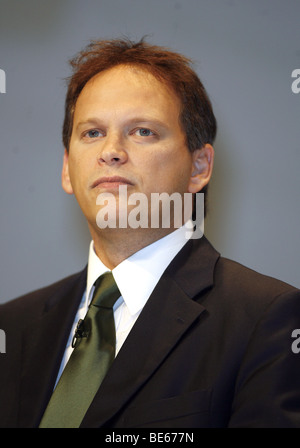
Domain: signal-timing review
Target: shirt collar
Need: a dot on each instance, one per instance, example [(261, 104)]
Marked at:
[(138, 275)]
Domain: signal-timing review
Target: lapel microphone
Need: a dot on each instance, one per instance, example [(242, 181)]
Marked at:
[(79, 332)]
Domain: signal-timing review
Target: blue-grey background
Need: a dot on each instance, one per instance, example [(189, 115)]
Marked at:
[(244, 52)]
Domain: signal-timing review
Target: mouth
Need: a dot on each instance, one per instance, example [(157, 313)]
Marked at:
[(112, 182)]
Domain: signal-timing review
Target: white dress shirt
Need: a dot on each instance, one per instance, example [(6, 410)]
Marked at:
[(136, 278)]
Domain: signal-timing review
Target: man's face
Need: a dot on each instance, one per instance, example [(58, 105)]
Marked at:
[(126, 131)]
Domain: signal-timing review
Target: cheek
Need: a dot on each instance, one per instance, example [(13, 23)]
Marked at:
[(77, 172), (168, 171), (79, 164)]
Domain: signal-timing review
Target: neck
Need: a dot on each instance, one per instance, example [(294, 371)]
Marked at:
[(113, 246)]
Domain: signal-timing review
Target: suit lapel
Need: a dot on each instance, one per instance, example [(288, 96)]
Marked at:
[(44, 342), (165, 318)]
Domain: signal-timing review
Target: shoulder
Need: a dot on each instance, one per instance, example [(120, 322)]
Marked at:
[(237, 277), (35, 301), (248, 294)]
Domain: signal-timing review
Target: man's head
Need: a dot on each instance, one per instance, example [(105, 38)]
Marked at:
[(173, 69), (102, 130)]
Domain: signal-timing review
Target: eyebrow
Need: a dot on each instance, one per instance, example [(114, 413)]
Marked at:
[(90, 121), (139, 119)]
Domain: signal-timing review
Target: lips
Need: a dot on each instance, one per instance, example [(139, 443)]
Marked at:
[(111, 182)]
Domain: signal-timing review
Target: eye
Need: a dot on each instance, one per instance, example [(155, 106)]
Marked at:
[(93, 133), (144, 132)]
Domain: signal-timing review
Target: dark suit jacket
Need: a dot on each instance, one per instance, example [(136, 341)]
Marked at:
[(211, 348)]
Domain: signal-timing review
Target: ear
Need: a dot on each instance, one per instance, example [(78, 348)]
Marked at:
[(65, 177), (203, 160)]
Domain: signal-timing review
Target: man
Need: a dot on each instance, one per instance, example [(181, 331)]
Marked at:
[(201, 341)]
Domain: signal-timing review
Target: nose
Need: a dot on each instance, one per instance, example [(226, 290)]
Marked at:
[(113, 151)]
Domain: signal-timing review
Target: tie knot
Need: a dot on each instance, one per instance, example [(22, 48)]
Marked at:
[(106, 291)]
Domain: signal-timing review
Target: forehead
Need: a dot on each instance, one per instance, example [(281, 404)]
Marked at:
[(130, 85)]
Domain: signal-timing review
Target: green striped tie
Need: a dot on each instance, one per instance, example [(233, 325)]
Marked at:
[(91, 358)]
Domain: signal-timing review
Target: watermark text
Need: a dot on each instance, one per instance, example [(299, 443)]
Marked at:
[(2, 341), (296, 84), (296, 343), (161, 210), (2, 81)]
